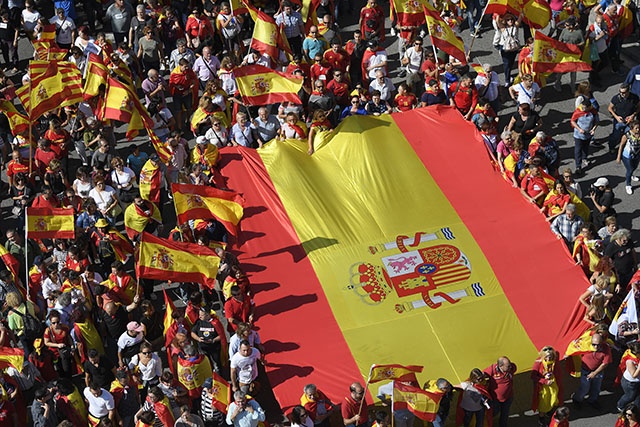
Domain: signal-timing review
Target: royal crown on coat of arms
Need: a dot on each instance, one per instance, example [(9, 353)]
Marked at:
[(163, 259)]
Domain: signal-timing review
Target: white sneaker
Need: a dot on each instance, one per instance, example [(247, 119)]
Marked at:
[(393, 32), (629, 189), (635, 179), (585, 163)]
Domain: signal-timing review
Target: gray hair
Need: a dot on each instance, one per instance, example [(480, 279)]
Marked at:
[(140, 7), (441, 383), (623, 232), (64, 299), (310, 388), (190, 350), (570, 207), (239, 394), (487, 67), (506, 134), (181, 42)]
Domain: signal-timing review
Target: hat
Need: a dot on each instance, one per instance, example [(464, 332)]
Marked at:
[(102, 223), (37, 260), (134, 326), (201, 140), (208, 383), (601, 182)]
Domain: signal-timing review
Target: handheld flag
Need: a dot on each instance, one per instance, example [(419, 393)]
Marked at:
[(423, 404), (169, 308), (13, 265), (259, 85), (393, 372), (266, 34), (10, 356), (44, 223), (536, 13), (221, 393), (626, 313), (409, 13), (163, 259), (18, 122), (553, 56), (200, 202), (97, 74), (442, 35)]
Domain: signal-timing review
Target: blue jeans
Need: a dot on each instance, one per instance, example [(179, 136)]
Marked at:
[(587, 386), (474, 9), (618, 130), (503, 409), (508, 60), (468, 415), (581, 151), (631, 392), (630, 164)]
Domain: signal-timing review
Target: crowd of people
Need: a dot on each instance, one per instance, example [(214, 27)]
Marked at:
[(92, 333)]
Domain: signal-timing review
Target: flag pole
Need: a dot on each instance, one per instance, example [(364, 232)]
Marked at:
[(474, 35), (393, 386), (366, 387), (30, 130), (26, 245)]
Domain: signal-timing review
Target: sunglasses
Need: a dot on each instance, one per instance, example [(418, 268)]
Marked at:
[(146, 353)]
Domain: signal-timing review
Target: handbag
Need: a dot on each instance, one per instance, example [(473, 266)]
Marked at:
[(511, 42), (115, 211), (125, 195), (593, 53)]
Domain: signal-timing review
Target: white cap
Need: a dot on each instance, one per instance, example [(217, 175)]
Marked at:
[(601, 182), (201, 140)]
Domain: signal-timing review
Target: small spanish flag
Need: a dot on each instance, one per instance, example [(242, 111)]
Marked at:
[(17, 122), (202, 202), (536, 13), (266, 34), (13, 265), (169, 308), (393, 372), (118, 103), (553, 56), (97, 74), (193, 371), (442, 35), (221, 393), (150, 182), (259, 85), (44, 223), (10, 356), (164, 259), (48, 33), (423, 404)]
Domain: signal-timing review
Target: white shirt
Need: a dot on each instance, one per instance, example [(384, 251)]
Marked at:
[(123, 179), (49, 286), (218, 139), (206, 70), (526, 96), (99, 406), (228, 82), (127, 340), (153, 369), (491, 93), (385, 88), (66, 27), (377, 59), (415, 59), (30, 19), (246, 367), (104, 198), (159, 125)]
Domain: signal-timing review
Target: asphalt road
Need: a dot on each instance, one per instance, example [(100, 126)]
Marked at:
[(556, 112)]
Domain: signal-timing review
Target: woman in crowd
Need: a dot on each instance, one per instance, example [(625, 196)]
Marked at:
[(629, 154), (547, 383)]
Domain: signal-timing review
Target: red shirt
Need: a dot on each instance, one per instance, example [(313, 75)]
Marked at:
[(592, 360), (338, 60), (501, 383), (406, 102), (43, 158), (239, 310), (372, 15), (14, 167), (318, 70), (464, 98), (198, 27), (340, 91), (534, 185), (350, 407), (40, 202), (428, 65)]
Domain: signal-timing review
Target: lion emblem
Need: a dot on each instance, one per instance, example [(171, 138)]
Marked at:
[(162, 259)]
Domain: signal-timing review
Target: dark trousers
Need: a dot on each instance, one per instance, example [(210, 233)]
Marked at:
[(503, 409)]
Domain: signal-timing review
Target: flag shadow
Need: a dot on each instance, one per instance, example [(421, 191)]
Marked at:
[(275, 346), (279, 373), (290, 302), (263, 287)]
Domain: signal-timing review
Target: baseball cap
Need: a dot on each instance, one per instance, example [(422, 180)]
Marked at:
[(601, 182), (201, 140), (134, 326)]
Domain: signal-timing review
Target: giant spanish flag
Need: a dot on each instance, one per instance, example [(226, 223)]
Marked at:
[(44, 223), (553, 56), (53, 84), (536, 13), (202, 202), (164, 259), (260, 85), (379, 238), (442, 35)]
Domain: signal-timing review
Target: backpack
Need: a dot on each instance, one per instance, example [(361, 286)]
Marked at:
[(32, 326)]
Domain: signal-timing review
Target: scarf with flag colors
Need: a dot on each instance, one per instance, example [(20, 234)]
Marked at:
[(193, 371), (536, 13), (163, 259), (393, 372), (442, 35), (267, 35), (136, 219), (553, 56), (259, 85), (423, 404), (18, 122), (201, 202), (45, 223), (150, 182), (53, 84), (622, 366), (13, 357)]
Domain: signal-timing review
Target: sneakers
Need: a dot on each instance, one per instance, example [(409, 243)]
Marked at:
[(585, 163), (629, 190), (635, 179), (393, 32)]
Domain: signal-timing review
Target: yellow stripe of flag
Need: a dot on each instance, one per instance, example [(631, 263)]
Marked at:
[(43, 223)]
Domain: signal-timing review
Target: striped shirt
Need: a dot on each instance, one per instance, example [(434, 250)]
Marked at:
[(291, 23), (208, 412)]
